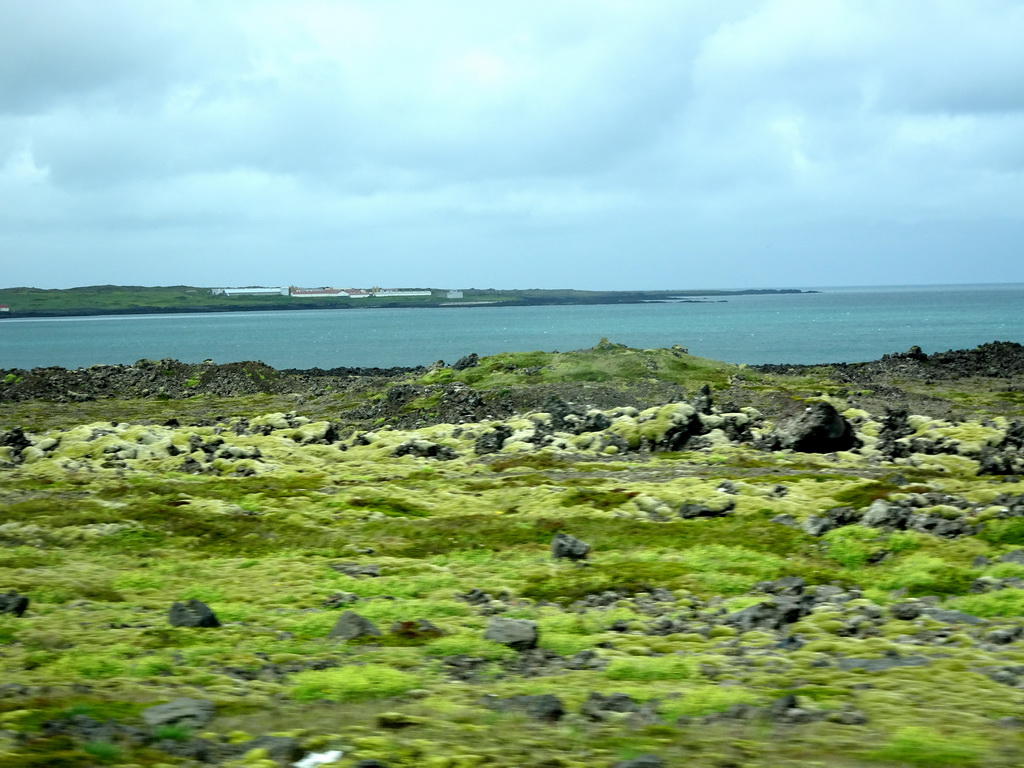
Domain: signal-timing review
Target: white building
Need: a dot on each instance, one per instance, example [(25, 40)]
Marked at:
[(453, 295), (250, 291), (388, 292)]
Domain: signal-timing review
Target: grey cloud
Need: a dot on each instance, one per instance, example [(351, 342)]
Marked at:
[(552, 139)]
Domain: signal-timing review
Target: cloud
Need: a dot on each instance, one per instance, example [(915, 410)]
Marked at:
[(470, 141)]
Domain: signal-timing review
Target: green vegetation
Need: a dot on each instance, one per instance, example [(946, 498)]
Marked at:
[(111, 514), (120, 299)]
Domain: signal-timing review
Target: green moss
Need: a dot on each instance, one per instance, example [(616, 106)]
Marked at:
[(1009, 531), (1006, 602), (392, 507), (859, 496), (918, 745), (352, 683), (642, 668), (596, 498), (852, 546), (922, 574), (541, 460)]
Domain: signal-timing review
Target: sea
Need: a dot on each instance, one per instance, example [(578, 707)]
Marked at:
[(831, 325)]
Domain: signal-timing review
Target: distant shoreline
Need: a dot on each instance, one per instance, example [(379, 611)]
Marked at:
[(472, 300)]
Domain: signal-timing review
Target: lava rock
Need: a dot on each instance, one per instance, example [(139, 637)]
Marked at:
[(696, 511), (819, 429), (472, 360), (566, 547), (350, 625), (830, 519), (492, 442), (191, 713), (905, 611), (13, 603), (194, 613), (546, 706), (882, 514), (518, 634), (771, 614)]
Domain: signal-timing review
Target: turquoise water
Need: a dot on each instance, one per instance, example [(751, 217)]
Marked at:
[(836, 325)]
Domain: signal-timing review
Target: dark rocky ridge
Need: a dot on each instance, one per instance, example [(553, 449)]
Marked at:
[(390, 395)]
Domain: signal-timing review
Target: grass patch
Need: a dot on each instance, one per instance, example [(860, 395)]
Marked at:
[(352, 683), (920, 746)]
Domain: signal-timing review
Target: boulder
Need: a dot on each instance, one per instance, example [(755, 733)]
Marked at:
[(695, 511), (194, 613), (566, 547), (518, 634), (491, 442), (882, 514), (469, 361), (351, 625), (1016, 556), (771, 614), (13, 603), (546, 706), (819, 429), (830, 519), (789, 586), (191, 713), (905, 611)]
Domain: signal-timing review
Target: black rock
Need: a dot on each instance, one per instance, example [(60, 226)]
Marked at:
[(566, 547), (191, 713), (469, 361), (1016, 556), (350, 625), (696, 511), (355, 570), (771, 614), (13, 603), (830, 519), (492, 441), (819, 429), (546, 706), (905, 611), (1004, 636), (882, 514), (790, 586), (952, 617), (194, 613), (517, 634)]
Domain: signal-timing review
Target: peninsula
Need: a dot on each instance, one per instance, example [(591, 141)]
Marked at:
[(131, 300)]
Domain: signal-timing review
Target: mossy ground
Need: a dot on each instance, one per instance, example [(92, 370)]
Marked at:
[(102, 531)]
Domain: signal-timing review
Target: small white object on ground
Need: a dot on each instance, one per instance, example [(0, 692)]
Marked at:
[(313, 759)]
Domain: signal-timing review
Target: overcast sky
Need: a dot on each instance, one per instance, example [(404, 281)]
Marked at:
[(511, 143)]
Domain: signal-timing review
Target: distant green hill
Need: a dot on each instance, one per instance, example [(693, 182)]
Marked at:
[(134, 299)]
